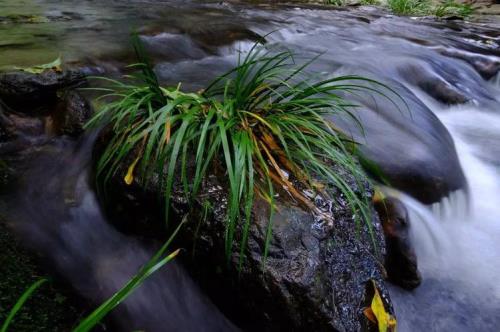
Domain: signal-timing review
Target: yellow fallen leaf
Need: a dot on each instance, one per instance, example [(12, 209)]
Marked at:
[(130, 173), (386, 322)]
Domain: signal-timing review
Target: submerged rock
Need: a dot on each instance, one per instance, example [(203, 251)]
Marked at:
[(18, 132), (486, 66), (435, 86)]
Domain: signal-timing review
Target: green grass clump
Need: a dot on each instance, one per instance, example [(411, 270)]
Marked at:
[(337, 3), (453, 8), (409, 7), (370, 2), (262, 125), (424, 7)]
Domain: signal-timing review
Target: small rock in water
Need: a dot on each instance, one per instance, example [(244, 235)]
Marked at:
[(75, 113), (401, 261)]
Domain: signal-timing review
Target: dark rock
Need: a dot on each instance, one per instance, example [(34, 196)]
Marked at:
[(25, 125), (454, 18), (17, 132), (401, 261), (25, 91), (215, 35), (314, 277), (75, 111), (5, 125), (435, 86), (34, 107)]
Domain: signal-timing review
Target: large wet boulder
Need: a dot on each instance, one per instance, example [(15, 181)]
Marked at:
[(314, 277)]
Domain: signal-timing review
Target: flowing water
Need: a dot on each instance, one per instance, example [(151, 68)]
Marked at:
[(430, 64), (456, 242), (58, 215)]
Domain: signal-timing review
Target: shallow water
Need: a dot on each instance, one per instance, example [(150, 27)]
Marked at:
[(191, 42)]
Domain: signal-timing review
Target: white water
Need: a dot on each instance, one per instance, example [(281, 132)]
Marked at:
[(457, 242)]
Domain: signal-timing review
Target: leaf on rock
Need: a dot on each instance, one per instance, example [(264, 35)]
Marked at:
[(38, 69), (377, 314), (129, 178)]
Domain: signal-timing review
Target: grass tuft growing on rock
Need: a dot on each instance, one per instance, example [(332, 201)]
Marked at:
[(453, 8), (409, 7), (337, 3), (262, 125), (447, 8)]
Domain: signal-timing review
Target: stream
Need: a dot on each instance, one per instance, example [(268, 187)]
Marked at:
[(447, 72)]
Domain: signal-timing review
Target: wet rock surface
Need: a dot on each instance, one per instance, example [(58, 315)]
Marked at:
[(25, 90), (35, 104), (313, 277), (74, 111), (19, 133)]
